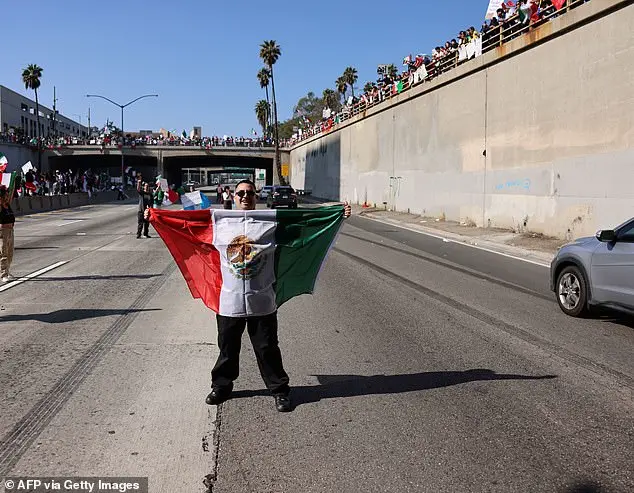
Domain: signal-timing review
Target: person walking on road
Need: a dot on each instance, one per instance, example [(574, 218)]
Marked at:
[(227, 199), (262, 331), (146, 201), (7, 223)]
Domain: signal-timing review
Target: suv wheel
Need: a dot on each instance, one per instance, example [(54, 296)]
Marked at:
[(572, 292)]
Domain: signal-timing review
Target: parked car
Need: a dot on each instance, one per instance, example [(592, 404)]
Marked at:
[(282, 195), (266, 190), (596, 271)]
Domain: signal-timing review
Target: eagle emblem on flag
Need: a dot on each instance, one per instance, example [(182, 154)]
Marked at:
[(242, 253)]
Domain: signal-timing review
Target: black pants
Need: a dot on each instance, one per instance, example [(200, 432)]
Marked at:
[(144, 225), (263, 334)]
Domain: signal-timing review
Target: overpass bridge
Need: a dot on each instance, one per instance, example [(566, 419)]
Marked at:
[(169, 161)]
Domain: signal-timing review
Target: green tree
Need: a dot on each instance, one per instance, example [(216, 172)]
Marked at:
[(368, 87), (31, 76), (309, 106), (392, 71), (262, 113), (264, 78), (270, 52), (351, 77)]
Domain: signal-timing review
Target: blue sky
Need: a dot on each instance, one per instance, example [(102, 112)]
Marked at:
[(201, 56)]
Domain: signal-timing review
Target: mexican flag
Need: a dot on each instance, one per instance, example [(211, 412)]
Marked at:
[(8, 180), (246, 263), (195, 200), (4, 162)]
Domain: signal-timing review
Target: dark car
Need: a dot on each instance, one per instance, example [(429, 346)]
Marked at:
[(282, 195), (596, 271)]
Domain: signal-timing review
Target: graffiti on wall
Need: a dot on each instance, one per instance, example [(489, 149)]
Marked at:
[(524, 184)]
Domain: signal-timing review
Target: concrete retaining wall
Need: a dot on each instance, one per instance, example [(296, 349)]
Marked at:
[(28, 205), (18, 155), (537, 135)]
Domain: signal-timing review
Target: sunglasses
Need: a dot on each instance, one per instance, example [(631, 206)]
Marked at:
[(248, 193)]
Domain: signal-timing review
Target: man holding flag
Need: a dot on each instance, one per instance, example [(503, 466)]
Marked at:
[(244, 264)]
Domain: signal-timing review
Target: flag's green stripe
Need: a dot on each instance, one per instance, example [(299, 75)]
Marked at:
[(302, 238)]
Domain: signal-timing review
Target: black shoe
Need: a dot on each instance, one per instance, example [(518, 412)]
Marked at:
[(283, 403), (217, 397)]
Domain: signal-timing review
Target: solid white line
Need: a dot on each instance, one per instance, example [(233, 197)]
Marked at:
[(445, 239), (69, 222), (11, 284)]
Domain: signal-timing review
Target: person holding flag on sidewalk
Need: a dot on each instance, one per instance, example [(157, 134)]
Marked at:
[(244, 264), (7, 223)]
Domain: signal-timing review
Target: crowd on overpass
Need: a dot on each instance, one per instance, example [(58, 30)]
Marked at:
[(107, 141), (511, 19)]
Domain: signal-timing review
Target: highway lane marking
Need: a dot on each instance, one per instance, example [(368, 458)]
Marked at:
[(449, 240), (70, 222), (12, 284)]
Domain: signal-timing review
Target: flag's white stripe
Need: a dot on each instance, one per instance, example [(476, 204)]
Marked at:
[(251, 295)]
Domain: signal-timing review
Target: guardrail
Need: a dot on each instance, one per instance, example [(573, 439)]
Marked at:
[(490, 40)]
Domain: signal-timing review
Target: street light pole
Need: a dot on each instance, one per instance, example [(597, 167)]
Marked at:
[(122, 106)]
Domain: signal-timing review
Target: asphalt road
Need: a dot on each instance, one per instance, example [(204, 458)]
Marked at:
[(418, 365)]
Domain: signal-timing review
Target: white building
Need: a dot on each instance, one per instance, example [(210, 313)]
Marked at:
[(18, 111)]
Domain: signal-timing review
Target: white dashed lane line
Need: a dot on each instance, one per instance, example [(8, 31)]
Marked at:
[(19, 281)]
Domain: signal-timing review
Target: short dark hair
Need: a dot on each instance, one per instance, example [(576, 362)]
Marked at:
[(246, 181)]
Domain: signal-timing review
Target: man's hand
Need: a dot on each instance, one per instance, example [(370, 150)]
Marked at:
[(146, 214), (346, 209)]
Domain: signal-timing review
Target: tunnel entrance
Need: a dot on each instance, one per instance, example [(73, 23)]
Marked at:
[(212, 170)]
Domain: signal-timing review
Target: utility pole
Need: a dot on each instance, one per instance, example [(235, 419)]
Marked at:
[(88, 123), (54, 113)]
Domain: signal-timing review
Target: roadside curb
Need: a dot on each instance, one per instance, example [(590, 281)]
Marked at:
[(532, 256)]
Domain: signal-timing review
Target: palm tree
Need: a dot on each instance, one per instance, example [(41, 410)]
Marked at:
[(351, 77), (262, 113), (342, 85), (263, 77), (269, 53), (392, 71), (330, 99), (368, 87), (31, 78)]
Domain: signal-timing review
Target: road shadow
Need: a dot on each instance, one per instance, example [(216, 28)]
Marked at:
[(336, 386), (72, 315), (37, 248), (94, 278), (585, 487)]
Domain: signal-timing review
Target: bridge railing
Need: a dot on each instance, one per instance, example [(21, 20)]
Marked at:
[(492, 39)]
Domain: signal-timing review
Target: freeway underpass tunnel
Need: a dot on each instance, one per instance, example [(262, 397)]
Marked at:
[(207, 170)]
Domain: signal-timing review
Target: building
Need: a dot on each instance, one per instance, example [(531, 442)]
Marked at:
[(18, 112)]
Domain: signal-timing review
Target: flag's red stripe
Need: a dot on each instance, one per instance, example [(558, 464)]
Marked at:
[(188, 236)]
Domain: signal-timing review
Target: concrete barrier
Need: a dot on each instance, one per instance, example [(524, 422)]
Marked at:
[(44, 203)]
